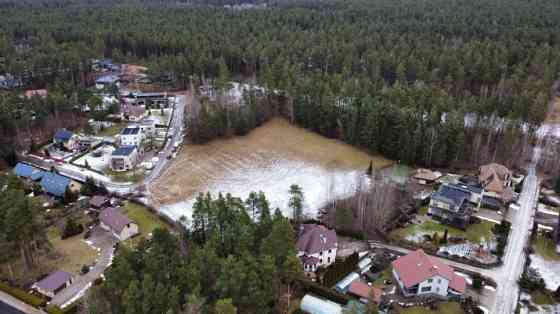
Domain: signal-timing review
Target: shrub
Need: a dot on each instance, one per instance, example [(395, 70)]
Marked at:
[(30, 299), (71, 228), (53, 309)]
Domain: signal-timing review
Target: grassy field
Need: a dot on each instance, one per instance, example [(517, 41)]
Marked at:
[(146, 220), (264, 152), (74, 252), (444, 308), (546, 248), (542, 298), (474, 233), (127, 176)]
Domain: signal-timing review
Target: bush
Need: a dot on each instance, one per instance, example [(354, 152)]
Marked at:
[(71, 228), (85, 269), (30, 299), (98, 281), (53, 309)]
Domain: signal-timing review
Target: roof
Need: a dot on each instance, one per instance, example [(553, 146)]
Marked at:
[(112, 218), (309, 260), (98, 201), (346, 281), (36, 92), (107, 79), (452, 194), (417, 266), (37, 175), (315, 305), (427, 174), (24, 170), (53, 281), (63, 135), (123, 151), (130, 131), (493, 177), (363, 290), (316, 238), (54, 184)]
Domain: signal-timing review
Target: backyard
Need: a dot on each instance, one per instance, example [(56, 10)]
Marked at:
[(443, 308), (476, 233), (270, 158), (112, 130), (146, 220), (545, 247)]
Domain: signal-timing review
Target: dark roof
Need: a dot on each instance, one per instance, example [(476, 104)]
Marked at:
[(452, 194), (54, 184), (98, 201), (63, 135), (130, 131), (316, 238), (54, 281), (114, 219), (107, 79), (123, 151), (309, 260)]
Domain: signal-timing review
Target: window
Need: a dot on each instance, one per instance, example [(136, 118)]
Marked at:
[(321, 253), (330, 251), (439, 281), (321, 261), (328, 259), (430, 280), (426, 289), (437, 289)]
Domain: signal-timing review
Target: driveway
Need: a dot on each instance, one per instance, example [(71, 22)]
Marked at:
[(103, 242)]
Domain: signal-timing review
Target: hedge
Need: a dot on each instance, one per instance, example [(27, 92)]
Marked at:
[(30, 299)]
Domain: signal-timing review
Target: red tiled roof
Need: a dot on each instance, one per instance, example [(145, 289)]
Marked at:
[(316, 238), (363, 290), (417, 266)]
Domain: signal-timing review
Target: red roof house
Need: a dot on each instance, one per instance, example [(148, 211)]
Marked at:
[(365, 292), (418, 273)]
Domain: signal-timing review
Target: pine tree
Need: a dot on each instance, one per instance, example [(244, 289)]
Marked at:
[(296, 202)]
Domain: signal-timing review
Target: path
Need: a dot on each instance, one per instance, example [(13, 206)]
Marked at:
[(11, 305)]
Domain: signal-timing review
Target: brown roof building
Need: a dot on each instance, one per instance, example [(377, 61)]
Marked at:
[(316, 246), (117, 223), (496, 179), (426, 176)]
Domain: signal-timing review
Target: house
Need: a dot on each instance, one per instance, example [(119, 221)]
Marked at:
[(124, 158), (106, 81), (35, 93), (496, 181), (118, 224), (315, 305), (65, 139), (28, 172), (451, 205), (133, 113), (426, 176), (148, 127), (53, 283), (365, 292), (55, 184), (8, 82), (419, 274), (316, 246), (98, 202), (131, 136)]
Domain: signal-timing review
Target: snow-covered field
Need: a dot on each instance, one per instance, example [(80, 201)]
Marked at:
[(269, 159), (97, 163), (549, 270)]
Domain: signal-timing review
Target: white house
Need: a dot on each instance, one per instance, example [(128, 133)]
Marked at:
[(124, 158), (118, 224), (131, 136), (316, 246), (148, 127), (419, 274)]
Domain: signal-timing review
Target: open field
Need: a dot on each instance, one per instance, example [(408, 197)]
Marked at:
[(444, 308), (475, 233), (270, 158)]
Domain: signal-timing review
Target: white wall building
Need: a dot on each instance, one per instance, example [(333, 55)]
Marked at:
[(118, 224), (124, 158), (132, 136), (316, 246)]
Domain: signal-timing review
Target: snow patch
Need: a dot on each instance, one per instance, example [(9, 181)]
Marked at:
[(549, 270)]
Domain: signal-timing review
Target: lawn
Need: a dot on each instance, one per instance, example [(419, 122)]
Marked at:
[(542, 298), (74, 252), (146, 220), (134, 176), (475, 233), (546, 248), (112, 130), (444, 308)]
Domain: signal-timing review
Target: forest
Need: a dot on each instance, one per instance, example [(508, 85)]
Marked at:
[(439, 83)]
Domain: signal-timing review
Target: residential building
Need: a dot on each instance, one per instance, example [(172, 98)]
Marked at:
[(55, 184), (65, 139), (133, 113), (118, 224), (420, 274), (496, 181), (28, 172), (148, 127), (124, 158), (99, 202), (315, 305), (365, 292), (106, 81), (8, 81), (36, 93), (316, 246), (131, 136), (451, 205), (53, 283), (426, 176)]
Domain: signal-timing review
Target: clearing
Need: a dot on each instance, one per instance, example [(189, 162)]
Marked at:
[(443, 308), (476, 233), (270, 159), (74, 252)]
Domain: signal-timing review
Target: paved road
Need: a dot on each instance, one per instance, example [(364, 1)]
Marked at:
[(11, 305), (514, 257)]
